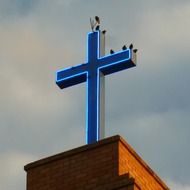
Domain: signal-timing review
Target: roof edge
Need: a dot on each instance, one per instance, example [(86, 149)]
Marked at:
[(71, 152), (145, 165), (95, 145)]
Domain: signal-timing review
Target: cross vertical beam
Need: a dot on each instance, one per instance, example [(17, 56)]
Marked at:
[(96, 89), (93, 71)]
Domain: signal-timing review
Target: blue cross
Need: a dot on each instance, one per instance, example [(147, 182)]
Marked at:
[(93, 71)]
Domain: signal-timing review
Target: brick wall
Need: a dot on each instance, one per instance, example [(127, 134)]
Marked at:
[(130, 162), (108, 164)]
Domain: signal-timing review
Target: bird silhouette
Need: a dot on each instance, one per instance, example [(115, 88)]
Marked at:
[(135, 50), (124, 47), (97, 27), (97, 19), (111, 51), (131, 46), (104, 31)]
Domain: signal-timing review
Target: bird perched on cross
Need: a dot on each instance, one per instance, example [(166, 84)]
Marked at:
[(95, 24)]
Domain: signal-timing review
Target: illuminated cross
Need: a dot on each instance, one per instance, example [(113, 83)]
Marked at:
[(93, 71)]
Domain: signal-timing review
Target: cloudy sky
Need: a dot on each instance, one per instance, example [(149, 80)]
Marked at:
[(148, 105)]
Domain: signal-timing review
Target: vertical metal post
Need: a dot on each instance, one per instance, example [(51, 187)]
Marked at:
[(101, 95)]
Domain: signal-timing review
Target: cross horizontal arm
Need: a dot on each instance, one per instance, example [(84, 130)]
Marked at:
[(117, 62), (71, 76)]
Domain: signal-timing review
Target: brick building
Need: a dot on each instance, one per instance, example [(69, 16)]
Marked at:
[(110, 164)]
